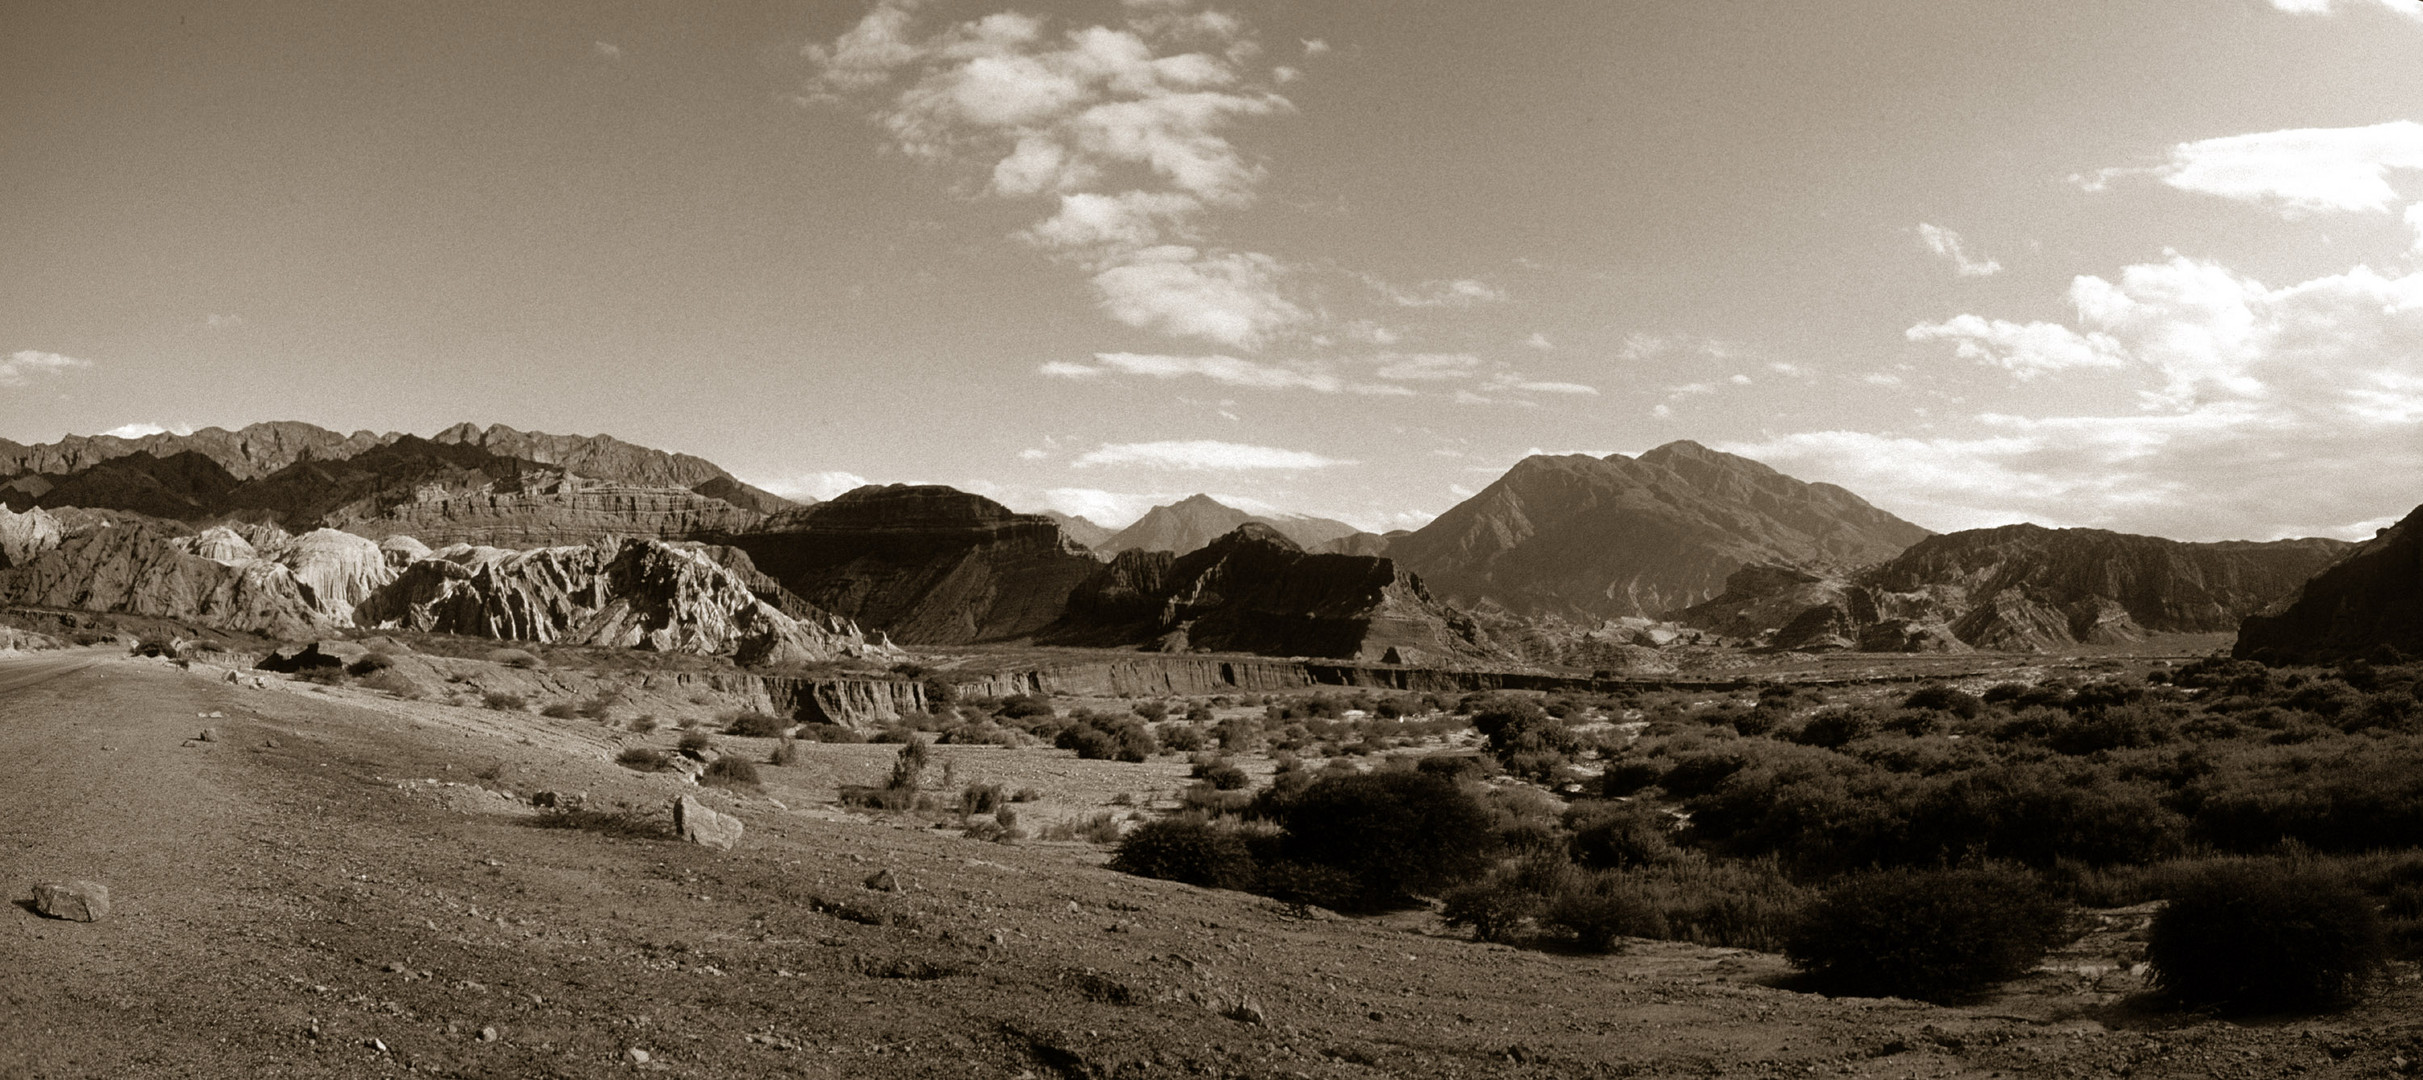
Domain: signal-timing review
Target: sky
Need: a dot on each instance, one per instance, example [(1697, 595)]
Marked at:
[(2147, 265)]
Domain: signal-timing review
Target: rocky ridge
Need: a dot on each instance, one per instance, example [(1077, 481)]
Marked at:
[(1197, 520), (2369, 603), (1255, 591)]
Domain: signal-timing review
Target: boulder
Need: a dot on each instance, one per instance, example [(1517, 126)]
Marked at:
[(78, 901), (703, 826)]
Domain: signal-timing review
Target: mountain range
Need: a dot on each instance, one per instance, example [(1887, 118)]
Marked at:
[(1563, 560)]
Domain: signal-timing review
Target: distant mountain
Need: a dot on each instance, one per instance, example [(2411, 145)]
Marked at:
[(2370, 602), (1360, 543), (1255, 591), (930, 565), (1080, 529), (493, 486), (1588, 538), (1197, 520), (2019, 588)]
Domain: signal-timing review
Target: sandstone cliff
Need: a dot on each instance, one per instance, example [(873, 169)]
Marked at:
[(2371, 602), (1589, 538), (926, 564), (635, 593), (1256, 591)]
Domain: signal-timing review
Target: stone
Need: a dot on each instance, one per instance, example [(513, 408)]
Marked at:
[(488, 1034), (637, 1055), (701, 825), (884, 881), (76, 901), (208, 735)]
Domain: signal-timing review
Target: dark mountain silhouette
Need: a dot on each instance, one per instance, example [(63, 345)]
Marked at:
[(2368, 604), (1593, 538)]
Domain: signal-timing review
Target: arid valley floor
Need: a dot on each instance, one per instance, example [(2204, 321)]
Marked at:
[(339, 883)]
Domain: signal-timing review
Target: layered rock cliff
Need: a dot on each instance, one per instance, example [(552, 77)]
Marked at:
[(635, 593), (2370, 602), (545, 513), (2016, 588), (1589, 539), (1256, 591), (926, 564)]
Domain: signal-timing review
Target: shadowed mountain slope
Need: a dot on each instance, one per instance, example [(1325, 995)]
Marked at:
[(2369, 600)]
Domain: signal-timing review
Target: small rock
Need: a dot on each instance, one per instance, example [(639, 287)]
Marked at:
[(78, 901), (488, 1034), (883, 881), (208, 735), (1000, 937), (1246, 1012), (698, 824), (270, 743), (1073, 909), (544, 799), (637, 1055)]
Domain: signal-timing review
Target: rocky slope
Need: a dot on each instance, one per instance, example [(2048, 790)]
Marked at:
[(2017, 588), (1588, 538), (1256, 591), (255, 451), (1081, 529), (146, 567), (927, 564), (1197, 520), (607, 458), (23, 536), (2371, 599), (544, 512), (636, 593)]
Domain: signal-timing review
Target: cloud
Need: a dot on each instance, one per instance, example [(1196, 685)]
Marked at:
[(1125, 129), (140, 430), (2296, 171), (24, 364), (222, 322), (1315, 46), (1460, 292), (2263, 412), (607, 50), (814, 485), (1509, 380), (1203, 455), (1220, 369), (1428, 366), (1115, 509), (1539, 341), (2407, 8), (1946, 243)]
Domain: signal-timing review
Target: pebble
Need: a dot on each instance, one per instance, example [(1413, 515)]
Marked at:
[(637, 1055), (488, 1034)]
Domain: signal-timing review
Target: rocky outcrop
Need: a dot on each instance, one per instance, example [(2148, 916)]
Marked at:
[(24, 536), (142, 567), (1081, 529), (2018, 588), (552, 513), (341, 570), (1595, 538), (643, 594), (926, 564), (608, 458), (76, 901), (1197, 520), (1255, 591), (2369, 603), (694, 822), (255, 451)]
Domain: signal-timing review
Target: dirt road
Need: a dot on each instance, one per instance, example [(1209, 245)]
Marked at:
[(332, 890)]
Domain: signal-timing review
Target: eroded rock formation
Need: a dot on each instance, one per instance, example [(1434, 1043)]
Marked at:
[(2369, 602)]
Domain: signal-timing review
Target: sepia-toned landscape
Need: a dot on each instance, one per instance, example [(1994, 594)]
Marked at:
[(1150, 538)]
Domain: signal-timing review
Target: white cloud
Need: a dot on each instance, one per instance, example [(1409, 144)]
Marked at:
[(2026, 350), (1126, 129), (1221, 369), (1690, 389), (1113, 509), (1428, 366), (24, 364), (1203, 455), (1033, 453), (1509, 380), (1540, 341), (1315, 46), (1946, 243), (2407, 8), (1460, 292), (607, 50), (2296, 171), (1881, 378), (222, 322), (814, 485), (139, 430), (1789, 371)]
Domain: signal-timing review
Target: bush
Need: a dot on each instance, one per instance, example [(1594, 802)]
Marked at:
[(1943, 698), (643, 724), (1594, 910), (504, 702), (560, 710), (908, 766), (756, 725), (642, 758), (730, 771), (1097, 738), (2266, 937), (832, 733), (1614, 835), (1223, 775), (1934, 935), (1395, 834), (514, 658), (981, 799), (1180, 738), (1025, 707), (1187, 849), (1101, 828), (370, 664), (1496, 910), (785, 752), (695, 742)]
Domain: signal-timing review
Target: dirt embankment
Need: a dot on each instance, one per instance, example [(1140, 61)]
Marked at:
[(327, 888)]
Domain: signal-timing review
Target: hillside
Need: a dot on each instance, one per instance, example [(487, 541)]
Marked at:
[(2368, 604), (1197, 520)]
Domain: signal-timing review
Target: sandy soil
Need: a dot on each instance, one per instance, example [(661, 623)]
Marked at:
[(340, 886)]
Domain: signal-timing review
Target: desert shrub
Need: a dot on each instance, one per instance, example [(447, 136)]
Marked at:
[(1613, 835), (885, 798), (2266, 937), (1628, 775), (643, 724), (1496, 909), (1237, 734), (1395, 833), (1307, 885), (755, 725), (695, 742), (730, 771), (1026, 707), (1519, 726), (1026, 794), (1942, 698), (642, 758), (908, 766), (1187, 849), (504, 702), (828, 733), (1100, 828), (1180, 737), (785, 752), (1223, 775), (1837, 727), (1099, 738), (1203, 799), (560, 710), (1934, 935), (1592, 910), (514, 658), (980, 798), (1458, 768), (370, 664)]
